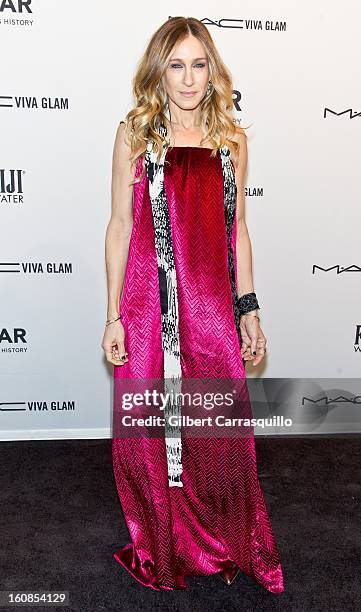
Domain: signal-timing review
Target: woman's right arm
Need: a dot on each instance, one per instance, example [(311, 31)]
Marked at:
[(117, 239)]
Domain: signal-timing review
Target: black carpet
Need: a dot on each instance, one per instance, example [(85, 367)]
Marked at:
[(61, 521)]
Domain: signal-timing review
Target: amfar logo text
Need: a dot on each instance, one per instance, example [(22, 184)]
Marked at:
[(17, 334), (236, 99), (14, 6), (13, 341)]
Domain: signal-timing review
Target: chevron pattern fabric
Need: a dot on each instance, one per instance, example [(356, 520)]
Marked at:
[(219, 515)]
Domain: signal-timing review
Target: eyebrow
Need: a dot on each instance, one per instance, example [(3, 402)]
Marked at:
[(173, 59)]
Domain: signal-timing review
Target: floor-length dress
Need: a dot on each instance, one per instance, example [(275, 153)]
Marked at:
[(219, 515)]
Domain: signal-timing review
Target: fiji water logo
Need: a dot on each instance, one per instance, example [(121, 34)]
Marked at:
[(11, 186), (11, 181)]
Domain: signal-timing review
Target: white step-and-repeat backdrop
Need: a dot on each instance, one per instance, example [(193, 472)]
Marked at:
[(66, 75)]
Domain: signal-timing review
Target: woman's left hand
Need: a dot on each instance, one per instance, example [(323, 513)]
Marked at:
[(253, 339)]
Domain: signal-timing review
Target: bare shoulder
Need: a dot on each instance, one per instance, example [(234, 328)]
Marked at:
[(122, 176), (122, 149), (121, 154), (241, 158)]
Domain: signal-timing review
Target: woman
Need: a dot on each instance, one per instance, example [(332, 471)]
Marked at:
[(182, 307)]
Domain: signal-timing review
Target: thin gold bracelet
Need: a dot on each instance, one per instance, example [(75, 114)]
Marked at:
[(109, 321)]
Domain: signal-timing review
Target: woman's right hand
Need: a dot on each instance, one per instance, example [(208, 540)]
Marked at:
[(113, 343)]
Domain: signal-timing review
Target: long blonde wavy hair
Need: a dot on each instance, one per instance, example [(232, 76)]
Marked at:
[(216, 109)]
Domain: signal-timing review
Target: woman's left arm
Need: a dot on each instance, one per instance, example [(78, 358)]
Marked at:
[(253, 339)]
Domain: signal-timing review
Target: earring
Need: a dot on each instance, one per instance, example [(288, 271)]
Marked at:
[(209, 88)]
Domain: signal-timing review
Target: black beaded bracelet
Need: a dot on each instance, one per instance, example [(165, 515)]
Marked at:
[(247, 302)]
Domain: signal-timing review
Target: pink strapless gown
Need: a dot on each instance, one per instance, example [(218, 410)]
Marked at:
[(219, 515)]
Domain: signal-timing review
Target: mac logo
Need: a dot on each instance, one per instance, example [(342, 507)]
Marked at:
[(358, 338), (352, 114), (340, 399), (339, 269), (33, 102), (244, 24)]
